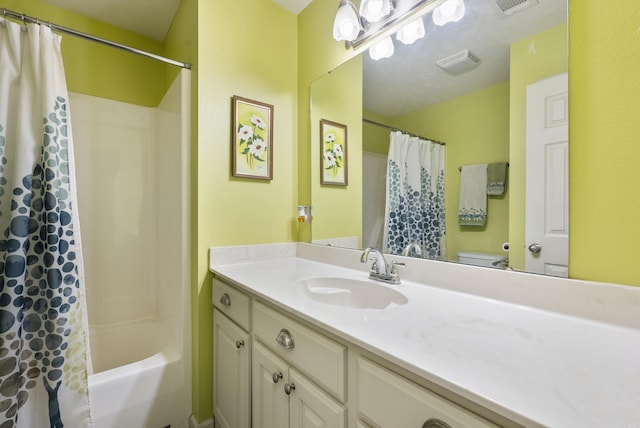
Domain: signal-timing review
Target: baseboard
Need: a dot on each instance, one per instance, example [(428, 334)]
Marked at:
[(193, 423)]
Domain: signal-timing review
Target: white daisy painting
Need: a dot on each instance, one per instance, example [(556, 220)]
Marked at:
[(252, 142), (333, 156)]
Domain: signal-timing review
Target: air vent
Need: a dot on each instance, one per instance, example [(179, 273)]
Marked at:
[(459, 63), (509, 7)]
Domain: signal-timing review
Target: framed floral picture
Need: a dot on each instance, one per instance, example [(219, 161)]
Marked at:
[(252, 142), (333, 153)]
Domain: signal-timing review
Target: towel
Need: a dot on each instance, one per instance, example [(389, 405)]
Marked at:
[(496, 178), (472, 209)]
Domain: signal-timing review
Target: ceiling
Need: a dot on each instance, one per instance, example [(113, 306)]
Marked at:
[(150, 18), (411, 79)]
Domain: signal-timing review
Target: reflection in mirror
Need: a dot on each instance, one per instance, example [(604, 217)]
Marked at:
[(480, 115)]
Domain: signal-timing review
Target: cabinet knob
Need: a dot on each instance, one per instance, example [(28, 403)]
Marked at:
[(239, 344), (285, 339), (276, 377), (225, 300), (435, 423), (289, 387)]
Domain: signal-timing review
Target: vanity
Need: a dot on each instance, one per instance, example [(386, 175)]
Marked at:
[(302, 337)]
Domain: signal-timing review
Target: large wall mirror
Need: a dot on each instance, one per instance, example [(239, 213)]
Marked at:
[(480, 114)]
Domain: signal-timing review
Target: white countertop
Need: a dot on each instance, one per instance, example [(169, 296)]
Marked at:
[(534, 366)]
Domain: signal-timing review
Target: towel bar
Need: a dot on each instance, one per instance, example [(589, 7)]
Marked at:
[(460, 168)]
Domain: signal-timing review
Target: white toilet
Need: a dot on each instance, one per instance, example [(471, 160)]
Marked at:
[(496, 261)]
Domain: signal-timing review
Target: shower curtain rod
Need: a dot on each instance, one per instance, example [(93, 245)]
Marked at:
[(372, 122), (60, 29)]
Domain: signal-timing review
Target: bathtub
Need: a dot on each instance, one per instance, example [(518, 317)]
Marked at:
[(138, 379)]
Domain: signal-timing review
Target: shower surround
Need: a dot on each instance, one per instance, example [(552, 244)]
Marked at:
[(132, 169)]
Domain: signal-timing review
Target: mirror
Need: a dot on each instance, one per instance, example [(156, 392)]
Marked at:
[(480, 115)]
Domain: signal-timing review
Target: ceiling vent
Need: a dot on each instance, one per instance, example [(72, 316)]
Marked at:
[(459, 63), (507, 8)]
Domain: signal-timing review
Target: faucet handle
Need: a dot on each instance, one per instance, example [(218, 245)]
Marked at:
[(365, 255), (394, 263)]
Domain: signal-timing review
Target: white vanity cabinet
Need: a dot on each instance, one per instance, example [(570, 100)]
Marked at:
[(231, 357)]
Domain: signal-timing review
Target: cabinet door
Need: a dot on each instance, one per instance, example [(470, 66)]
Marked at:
[(270, 405), (231, 374), (310, 407)]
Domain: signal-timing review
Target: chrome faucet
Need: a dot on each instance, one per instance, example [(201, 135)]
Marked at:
[(412, 246), (375, 266), (380, 270)]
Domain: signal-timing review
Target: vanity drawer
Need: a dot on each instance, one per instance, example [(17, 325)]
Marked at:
[(389, 400), (312, 353), (232, 302)]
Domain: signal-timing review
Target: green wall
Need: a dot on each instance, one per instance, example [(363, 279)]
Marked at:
[(246, 48), (604, 153), (376, 138), (475, 128), (532, 59)]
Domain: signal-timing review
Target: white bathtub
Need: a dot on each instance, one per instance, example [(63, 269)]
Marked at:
[(139, 377)]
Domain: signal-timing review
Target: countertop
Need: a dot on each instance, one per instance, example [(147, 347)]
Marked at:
[(532, 365)]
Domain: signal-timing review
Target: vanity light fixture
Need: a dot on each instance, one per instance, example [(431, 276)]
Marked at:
[(357, 31), (382, 49), (449, 11), (375, 10), (346, 25)]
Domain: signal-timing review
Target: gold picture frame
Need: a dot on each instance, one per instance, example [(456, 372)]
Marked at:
[(333, 153), (252, 142)]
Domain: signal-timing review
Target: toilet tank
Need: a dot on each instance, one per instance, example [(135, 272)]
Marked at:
[(497, 261)]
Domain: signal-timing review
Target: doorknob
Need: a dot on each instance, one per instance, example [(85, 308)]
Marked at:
[(535, 248)]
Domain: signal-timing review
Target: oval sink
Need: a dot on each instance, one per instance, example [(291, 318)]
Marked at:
[(352, 293)]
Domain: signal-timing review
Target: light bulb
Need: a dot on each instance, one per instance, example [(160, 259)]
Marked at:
[(411, 32), (374, 6), (382, 49), (450, 11), (346, 25), (375, 10)]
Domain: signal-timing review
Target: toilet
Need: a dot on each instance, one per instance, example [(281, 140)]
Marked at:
[(495, 261)]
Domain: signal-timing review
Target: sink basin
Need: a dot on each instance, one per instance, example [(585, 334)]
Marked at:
[(352, 293)]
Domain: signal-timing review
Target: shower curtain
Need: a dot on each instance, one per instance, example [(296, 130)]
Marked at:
[(43, 326), (414, 212)]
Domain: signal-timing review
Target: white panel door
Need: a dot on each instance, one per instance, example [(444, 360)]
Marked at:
[(270, 404), (547, 177)]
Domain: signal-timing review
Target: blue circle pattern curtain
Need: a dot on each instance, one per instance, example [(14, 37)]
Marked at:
[(414, 212), (43, 326)]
